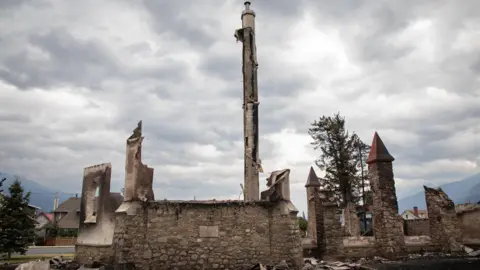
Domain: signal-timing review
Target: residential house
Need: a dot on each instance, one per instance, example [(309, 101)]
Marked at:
[(34, 208), (67, 215), (415, 213), (43, 220)]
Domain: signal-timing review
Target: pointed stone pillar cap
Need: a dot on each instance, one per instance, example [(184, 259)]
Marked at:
[(312, 179), (378, 151)]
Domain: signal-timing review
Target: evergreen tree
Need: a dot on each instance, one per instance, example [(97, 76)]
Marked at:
[(1, 185), (360, 155), (17, 221), (302, 225), (339, 158)]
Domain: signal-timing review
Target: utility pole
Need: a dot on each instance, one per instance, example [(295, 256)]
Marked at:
[(55, 202), (252, 165)]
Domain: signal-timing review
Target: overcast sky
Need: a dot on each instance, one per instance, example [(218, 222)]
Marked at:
[(77, 76)]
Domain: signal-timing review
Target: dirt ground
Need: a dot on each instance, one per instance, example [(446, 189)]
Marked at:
[(432, 264)]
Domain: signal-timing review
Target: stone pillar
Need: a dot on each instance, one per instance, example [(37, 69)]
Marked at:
[(387, 229), (138, 177), (312, 186), (444, 224), (332, 232), (318, 224), (351, 220)]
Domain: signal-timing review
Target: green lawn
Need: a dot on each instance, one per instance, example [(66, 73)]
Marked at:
[(27, 258)]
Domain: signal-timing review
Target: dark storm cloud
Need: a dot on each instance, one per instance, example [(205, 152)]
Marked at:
[(69, 60), (190, 101), (13, 118), (169, 17)]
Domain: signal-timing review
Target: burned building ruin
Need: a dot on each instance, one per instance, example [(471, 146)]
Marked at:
[(193, 234), (448, 230)]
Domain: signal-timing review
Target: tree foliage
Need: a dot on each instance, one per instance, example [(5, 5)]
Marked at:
[(1, 185), (342, 157), (302, 224), (17, 221)]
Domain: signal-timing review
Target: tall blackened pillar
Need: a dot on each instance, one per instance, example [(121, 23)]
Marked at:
[(250, 104)]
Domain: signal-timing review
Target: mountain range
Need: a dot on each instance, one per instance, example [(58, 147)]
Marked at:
[(41, 196), (463, 191)]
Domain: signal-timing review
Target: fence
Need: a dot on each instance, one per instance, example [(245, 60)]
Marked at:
[(61, 241)]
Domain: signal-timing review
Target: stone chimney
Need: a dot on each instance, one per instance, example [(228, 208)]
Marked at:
[(252, 164), (415, 211), (248, 17)]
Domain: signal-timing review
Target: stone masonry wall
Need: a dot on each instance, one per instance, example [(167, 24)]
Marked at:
[(332, 232), (470, 223), (351, 220), (415, 227), (87, 254), (444, 224), (387, 226), (206, 235)]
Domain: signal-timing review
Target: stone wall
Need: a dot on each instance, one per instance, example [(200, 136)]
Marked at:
[(332, 232), (206, 235), (470, 221), (87, 254), (351, 220), (387, 225), (97, 214), (364, 246), (359, 246), (415, 227), (444, 224)]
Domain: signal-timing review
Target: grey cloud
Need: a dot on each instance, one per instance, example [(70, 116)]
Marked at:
[(72, 61), (182, 104), (69, 60), (166, 18), (13, 118)]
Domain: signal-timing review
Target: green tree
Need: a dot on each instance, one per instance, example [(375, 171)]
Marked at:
[(17, 221), (360, 155), (1, 185), (302, 224), (340, 156)]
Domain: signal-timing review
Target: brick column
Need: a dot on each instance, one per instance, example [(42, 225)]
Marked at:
[(387, 228)]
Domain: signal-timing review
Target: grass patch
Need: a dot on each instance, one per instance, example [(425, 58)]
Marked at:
[(27, 258)]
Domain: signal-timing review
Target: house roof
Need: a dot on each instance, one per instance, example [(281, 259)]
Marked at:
[(424, 212), (72, 203), (70, 221), (72, 207), (49, 216), (312, 179), (33, 206), (378, 151)]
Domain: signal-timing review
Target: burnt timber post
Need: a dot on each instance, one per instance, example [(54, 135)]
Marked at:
[(250, 104)]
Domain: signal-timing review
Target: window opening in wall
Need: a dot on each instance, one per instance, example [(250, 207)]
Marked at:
[(91, 204)]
